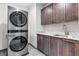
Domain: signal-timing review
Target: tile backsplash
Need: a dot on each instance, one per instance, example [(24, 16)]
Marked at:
[(72, 27)]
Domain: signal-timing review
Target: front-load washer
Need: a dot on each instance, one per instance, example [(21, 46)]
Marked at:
[(17, 44), (17, 19)]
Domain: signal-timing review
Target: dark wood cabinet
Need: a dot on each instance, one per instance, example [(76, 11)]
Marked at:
[(55, 46), (46, 15), (77, 48), (59, 12), (53, 13), (69, 48), (60, 46), (46, 44), (49, 10), (40, 43), (71, 12), (43, 44), (43, 17)]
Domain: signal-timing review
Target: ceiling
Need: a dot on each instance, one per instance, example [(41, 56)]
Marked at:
[(23, 5), (26, 5), (43, 4)]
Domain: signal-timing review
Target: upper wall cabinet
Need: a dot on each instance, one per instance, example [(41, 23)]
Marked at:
[(71, 11), (46, 15), (59, 12), (43, 16)]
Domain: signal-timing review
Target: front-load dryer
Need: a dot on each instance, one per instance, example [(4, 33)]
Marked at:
[(17, 19), (17, 44)]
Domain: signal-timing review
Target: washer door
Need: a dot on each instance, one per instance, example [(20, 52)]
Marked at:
[(18, 43), (18, 19)]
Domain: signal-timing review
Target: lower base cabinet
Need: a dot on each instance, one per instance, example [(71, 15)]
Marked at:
[(46, 44), (43, 44), (69, 48), (54, 46), (40, 43)]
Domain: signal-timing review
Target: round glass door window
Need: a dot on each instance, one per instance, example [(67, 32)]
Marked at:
[(18, 43), (18, 19)]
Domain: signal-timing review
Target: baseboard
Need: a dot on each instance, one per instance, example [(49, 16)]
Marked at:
[(32, 45), (36, 48), (4, 52), (42, 52), (25, 54)]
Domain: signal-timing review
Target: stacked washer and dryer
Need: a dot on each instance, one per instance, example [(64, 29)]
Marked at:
[(17, 32)]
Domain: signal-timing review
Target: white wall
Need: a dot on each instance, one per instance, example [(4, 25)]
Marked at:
[(3, 26), (32, 25), (39, 27)]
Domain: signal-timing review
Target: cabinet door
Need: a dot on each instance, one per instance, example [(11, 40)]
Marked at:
[(43, 16), (59, 12), (40, 42), (53, 47), (49, 14), (71, 11), (46, 15), (46, 44), (77, 48), (53, 13), (69, 48), (60, 47)]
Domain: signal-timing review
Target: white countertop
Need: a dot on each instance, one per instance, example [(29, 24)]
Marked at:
[(61, 36)]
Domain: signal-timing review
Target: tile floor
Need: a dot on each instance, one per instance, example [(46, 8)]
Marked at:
[(34, 52)]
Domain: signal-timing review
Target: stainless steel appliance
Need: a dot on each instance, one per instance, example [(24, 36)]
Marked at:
[(17, 44), (17, 19), (17, 32)]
